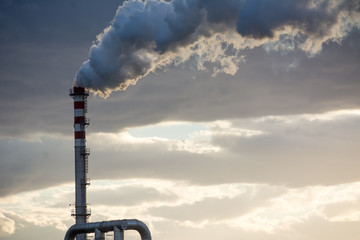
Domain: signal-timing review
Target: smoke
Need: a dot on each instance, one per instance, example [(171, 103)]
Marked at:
[(151, 34)]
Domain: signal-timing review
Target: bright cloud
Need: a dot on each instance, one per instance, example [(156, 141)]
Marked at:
[(175, 136), (254, 208), (7, 225), (211, 185)]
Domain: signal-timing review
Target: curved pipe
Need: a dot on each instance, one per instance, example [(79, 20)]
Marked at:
[(126, 224)]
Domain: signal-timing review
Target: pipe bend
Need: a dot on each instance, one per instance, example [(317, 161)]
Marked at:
[(106, 226)]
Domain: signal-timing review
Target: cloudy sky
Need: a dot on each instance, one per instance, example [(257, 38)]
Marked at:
[(243, 122)]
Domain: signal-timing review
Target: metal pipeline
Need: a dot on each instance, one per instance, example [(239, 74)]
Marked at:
[(118, 226)]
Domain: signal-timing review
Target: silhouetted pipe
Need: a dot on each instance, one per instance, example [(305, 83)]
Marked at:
[(103, 227)]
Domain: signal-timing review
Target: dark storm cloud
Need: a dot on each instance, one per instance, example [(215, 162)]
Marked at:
[(42, 44), (67, 22)]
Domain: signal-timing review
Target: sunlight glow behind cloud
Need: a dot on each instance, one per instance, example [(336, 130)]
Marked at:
[(273, 208), (252, 207)]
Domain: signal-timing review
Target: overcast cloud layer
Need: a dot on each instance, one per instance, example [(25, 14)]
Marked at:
[(250, 134)]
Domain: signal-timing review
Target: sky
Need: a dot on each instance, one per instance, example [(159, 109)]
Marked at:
[(242, 123)]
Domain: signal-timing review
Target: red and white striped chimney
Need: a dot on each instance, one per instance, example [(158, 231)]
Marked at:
[(81, 211)]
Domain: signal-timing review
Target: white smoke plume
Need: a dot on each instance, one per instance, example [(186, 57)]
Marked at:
[(151, 34)]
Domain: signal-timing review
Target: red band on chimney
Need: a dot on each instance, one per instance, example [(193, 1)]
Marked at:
[(79, 105), (79, 120), (79, 135)]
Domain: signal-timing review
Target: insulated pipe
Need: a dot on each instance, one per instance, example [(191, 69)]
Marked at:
[(118, 233), (126, 224), (99, 235)]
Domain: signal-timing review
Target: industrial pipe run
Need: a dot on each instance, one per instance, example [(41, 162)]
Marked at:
[(117, 226)]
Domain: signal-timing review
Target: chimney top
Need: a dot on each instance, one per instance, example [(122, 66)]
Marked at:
[(78, 91)]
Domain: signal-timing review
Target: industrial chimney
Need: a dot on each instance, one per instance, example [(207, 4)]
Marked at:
[(81, 211)]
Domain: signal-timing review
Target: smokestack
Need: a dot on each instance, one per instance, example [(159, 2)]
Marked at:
[(81, 211)]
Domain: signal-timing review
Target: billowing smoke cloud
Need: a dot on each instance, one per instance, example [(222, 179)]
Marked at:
[(147, 35)]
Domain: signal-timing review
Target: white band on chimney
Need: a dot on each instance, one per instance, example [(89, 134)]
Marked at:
[(80, 142)]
